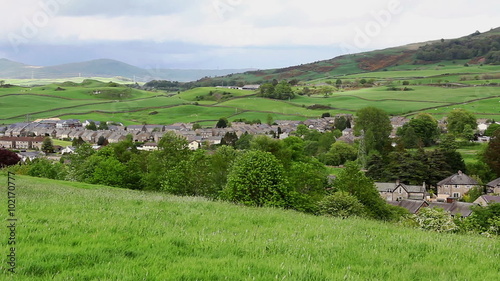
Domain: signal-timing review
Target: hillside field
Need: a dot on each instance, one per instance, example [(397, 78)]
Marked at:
[(106, 101), (76, 231)]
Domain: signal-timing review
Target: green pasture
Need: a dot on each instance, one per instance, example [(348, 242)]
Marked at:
[(170, 115), (58, 107), (427, 71), (78, 101), (76, 231), (470, 153), (486, 108), (184, 114), (61, 142), (28, 104), (249, 115), (204, 91), (266, 105)]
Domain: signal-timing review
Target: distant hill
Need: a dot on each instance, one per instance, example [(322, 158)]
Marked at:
[(104, 68), (478, 47)]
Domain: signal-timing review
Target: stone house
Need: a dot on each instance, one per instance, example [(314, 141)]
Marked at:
[(455, 186), (136, 128), (150, 146), (194, 144), (75, 134), (154, 128), (7, 142), (21, 142), (68, 150), (485, 200), (250, 87), (143, 137), (70, 123), (399, 191), (30, 155), (89, 136), (494, 186), (16, 130), (397, 122), (63, 133), (116, 137)]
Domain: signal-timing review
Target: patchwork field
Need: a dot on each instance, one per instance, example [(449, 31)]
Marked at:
[(107, 101), (75, 231)]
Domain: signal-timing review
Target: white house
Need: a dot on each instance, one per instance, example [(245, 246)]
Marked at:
[(68, 150)]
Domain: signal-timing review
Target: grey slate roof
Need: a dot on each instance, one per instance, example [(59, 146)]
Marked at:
[(388, 186), (454, 208), (491, 199), (411, 205), (494, 183), (458, 179)]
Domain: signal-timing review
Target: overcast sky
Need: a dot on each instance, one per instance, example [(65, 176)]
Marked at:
[(211, 34)]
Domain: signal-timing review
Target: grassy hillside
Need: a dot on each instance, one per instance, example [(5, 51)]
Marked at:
[(474, 48), (207, 104), (74, 231), (436, 87)]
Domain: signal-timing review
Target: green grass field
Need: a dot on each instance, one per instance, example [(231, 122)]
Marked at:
[(75, 231), (204, 91), (132, 106)]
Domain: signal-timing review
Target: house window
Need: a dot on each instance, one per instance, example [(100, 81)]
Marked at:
[(456, 186), (456, 194), (399, 190)]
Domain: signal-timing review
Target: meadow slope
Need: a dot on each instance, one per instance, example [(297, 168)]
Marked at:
[(75, 231)]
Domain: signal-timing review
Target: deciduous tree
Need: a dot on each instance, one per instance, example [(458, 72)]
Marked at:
[(376, 126), (492, 153), (257, 178), (458, 119), (339, 153), (8, 158), (47, 145), (425, 129)]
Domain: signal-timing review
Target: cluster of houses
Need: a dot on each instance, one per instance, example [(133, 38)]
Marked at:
[(449, 191), (30, 135)]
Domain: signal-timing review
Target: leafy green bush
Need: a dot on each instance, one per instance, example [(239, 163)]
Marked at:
[(44, 168), (341, 204)]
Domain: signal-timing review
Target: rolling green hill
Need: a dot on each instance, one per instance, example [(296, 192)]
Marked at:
[(366, 80), (76, 231), (206, 105), (472, 48)]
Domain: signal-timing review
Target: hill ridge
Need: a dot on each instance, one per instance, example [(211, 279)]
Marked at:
[(104, 67)]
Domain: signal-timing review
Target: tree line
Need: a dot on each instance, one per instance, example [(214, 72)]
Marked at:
[(463, 48), (288, 173)]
